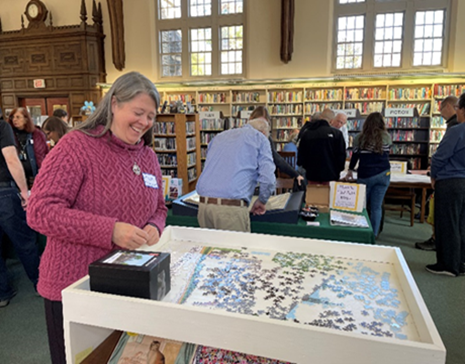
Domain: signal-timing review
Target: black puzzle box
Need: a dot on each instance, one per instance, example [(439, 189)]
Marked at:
[(133, 273)]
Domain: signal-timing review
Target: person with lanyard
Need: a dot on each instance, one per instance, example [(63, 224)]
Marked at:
[(99, 189), (31, 142), (13, 202)]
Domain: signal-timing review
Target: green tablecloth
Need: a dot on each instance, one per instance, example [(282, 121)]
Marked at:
[(324, 231)]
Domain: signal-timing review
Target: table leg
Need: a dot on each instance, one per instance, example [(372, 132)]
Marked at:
[(423, 205)]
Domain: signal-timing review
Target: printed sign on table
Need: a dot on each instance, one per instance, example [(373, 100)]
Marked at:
[(398, 167), (347, 196)]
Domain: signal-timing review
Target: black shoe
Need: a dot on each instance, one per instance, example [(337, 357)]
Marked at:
[(5, 302), (437, 269), (429, 245)]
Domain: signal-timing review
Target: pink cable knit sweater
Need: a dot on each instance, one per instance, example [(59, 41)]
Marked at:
[(84, 187)]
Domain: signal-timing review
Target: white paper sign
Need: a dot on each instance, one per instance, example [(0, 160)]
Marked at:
[(398, 167), (245, 114), (397, 112), (351, 113), (347, 196), (209, 115)]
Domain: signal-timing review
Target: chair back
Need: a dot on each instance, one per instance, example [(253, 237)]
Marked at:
[(284, 185), (291, 159)]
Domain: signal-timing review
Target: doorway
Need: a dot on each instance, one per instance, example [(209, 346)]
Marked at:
[(41, 108)]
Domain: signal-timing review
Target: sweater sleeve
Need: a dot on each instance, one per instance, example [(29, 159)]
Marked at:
[(50, 210), (445, 152), (40, 146), (159, 216)]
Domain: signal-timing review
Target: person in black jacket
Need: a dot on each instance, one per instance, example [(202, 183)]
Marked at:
[(280, 162), (322, 151)]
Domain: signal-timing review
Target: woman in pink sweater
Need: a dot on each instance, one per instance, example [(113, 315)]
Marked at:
[(99, 189)]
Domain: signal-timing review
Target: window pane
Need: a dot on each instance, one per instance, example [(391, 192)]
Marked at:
[(429, 33), (200, 46), (231, 47), (200, 8), (171, 53), (350, 35), (385, 49), (231, 6), (169, 9)]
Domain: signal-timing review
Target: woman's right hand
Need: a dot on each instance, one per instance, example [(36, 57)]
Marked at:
[(128, 236)]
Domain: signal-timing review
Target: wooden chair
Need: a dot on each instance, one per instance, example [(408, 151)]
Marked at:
[(291, 159), (284, 185), (402, 195)]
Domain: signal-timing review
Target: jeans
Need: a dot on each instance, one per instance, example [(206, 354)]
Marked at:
[(376, 187), (24, 239)]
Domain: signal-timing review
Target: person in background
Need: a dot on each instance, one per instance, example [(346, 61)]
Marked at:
[(280, 162), (322, 151), (449, 114), (448, 182), (13, 202), (237, 159), (54, 129), (340, 122), (291, 145), (31, 143), (62, 114), (99, 189), (371, 150)]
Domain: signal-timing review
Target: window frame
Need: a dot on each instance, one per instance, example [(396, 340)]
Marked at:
[(370, 8), (185, 24)]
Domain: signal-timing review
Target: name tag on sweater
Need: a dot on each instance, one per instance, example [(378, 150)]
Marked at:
[(150, 180)]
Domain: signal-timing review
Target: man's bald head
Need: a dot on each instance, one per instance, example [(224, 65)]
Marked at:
[(327, 114)]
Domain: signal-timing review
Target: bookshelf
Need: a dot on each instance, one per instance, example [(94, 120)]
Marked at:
[(177, 144), (210, 125), (288, 102)]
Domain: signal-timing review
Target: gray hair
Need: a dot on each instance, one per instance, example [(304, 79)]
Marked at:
[(124, 89), (316, 116), (261, 125)]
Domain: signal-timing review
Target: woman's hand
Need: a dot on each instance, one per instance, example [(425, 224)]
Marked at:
[(349, 176), (128, 236), (154, 234)]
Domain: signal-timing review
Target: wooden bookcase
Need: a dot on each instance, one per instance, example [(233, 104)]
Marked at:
[(177, 144), (292, 104)]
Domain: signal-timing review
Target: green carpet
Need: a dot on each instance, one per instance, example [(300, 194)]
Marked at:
[(24, 338)]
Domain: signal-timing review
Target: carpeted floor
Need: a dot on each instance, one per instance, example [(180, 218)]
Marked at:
[(24, 337)]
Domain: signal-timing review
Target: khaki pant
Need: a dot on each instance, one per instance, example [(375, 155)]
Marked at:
[(220, 217)]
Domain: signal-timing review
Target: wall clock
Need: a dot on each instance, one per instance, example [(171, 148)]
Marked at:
[(36, 11)]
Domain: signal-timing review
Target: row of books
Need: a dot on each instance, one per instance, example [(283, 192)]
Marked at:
[(245, 96), (283, 135), (448, 90), (285, 109), (365, 107), (165, 143), (436, 135), (402, 135), (190, 143), (284, 96), (410, 93), (354, 124), (319, 107), (191, 174), (438, 122), (219, 97), (423, 108), (164, 128), (238, 108), (191, 158), (190, 127), (180, 97), (403, 122), (212, 124), (406, 149), (366, 93), (324, 94), (288, 122), (433, 148), (167, 159), (206, 137)]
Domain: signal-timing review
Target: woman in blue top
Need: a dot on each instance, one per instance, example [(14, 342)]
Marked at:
[(371, 150)]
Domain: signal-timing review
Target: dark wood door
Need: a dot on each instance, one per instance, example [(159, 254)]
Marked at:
[(57, 103)]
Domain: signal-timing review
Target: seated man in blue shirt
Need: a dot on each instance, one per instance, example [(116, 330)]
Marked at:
[(237, 160)]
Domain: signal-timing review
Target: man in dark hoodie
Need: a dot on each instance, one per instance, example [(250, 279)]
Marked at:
[(322, 150)]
